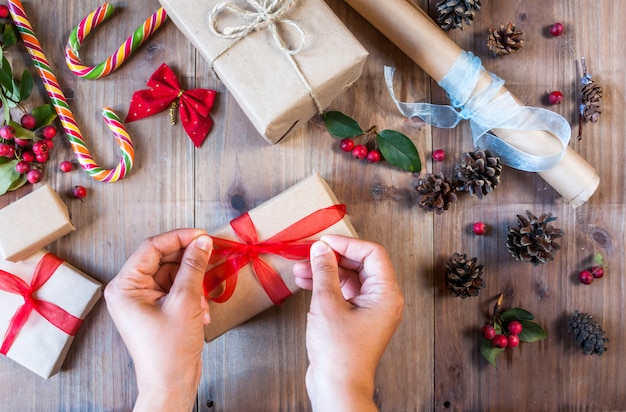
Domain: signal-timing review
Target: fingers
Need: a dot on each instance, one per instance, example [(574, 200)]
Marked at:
[(326, 287), (193, 266)]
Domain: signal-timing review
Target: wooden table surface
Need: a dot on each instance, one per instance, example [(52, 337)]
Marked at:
[(433, 362)]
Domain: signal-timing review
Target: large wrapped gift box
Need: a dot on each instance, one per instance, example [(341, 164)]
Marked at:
[(261, 77), (290, 209), (32, 222), (38, 319)]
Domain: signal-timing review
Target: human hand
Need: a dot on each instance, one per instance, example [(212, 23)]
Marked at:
[(157, 303), (356, 306)]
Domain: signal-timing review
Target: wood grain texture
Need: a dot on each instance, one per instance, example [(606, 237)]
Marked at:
[(433, 362)]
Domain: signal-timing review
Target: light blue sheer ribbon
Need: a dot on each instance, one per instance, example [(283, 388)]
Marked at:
[(485, 113)]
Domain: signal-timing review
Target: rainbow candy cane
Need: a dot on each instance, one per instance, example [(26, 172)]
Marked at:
[(95, 18), (63, 110)]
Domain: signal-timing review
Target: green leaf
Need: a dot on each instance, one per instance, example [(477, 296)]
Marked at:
[(516, 314), (340, 125), (6, 66), (9, 35), (21, 132), (598, 259), (21, 181), (531, 332), (26, 85), (490, 352), (44, 114), (6, 80), (399, 150), (8, 175)]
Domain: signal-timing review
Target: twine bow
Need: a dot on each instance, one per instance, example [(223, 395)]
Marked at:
[(63, 320), (486, 112), (291, 243), (261, 15)]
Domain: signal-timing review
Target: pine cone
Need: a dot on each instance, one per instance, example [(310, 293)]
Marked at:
[(587, 333), (453, 13), (505, 40), (436, 192), (478, 173), (590, 102), (464, 276), (533, 239)]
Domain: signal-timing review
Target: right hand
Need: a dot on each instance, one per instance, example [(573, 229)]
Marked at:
[(356, 306)]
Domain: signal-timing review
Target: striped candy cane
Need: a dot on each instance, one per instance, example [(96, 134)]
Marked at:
[(113, 62), (63, 110)]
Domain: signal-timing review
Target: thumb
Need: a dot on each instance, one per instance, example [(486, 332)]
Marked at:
[(326, 287), (193, 266)]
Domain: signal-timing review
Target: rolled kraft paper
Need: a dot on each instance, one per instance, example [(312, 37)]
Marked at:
[(430, 47)]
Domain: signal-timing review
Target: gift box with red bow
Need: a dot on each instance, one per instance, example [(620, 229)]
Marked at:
[(283, 61), (22, 234), (43, 301), (251, 266)]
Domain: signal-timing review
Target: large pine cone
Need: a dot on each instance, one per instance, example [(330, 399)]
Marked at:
[(453, 13), (478, 173), (590, 102), (587, 333), (464, 276), (436, 192), (533, 239), (505, 40)]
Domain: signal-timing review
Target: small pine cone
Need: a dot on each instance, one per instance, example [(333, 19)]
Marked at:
[(587, 333), (505, 40), (453, 13), (478, 173), (590, 102), (533, 239), (436, 192), (464, 276)]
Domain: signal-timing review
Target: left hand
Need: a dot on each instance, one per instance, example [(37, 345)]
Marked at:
[(157, 303)]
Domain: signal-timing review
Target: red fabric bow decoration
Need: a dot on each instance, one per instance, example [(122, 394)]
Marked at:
[(63, 320), (165, 91), (290, 243)]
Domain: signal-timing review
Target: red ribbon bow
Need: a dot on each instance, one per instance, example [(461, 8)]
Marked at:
[(63, 320), (165, 91), (290, 244)]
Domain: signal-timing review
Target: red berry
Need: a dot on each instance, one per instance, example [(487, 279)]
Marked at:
[(555, 97), (585, 277), (488, 331), (557, 29), (439, 155), (7, 132), (66, 166), (346, 144), (21, 142), (512, 341), (360, 151), (42, 157), (28, 156), (40, 147), (6, 150), (597, 272), (500, 341), (374, 156), (79, 192), (4, 11), (33, 176), (514, 327), (28, 121), (479, 228), (22, 167), (49, 132)]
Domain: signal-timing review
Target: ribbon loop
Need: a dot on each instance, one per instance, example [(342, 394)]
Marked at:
[(486, 110)]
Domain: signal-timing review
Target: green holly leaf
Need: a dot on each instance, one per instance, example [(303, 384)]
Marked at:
[(341, 126), (490, 352), (26, 85), (8, 175), (44, 114), (399, 150), (516, 314), (531, 332)]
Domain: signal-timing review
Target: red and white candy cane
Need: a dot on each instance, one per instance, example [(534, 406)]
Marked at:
[(95, 18), (63, 110)]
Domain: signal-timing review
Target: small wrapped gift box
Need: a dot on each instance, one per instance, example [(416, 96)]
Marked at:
[(22, 233), (283, 62), (256, 252), (43, 301)]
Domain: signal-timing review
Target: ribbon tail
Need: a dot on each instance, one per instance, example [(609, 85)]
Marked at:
[(15, 325), (195, 124), (271, 282)]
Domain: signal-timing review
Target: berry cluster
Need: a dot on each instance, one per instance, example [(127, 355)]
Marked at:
[(30, 146), (595, 272), (510, 339), (360, 151)]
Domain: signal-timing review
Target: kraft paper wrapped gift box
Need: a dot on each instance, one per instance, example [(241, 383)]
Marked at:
[(249, 298), (21, 234), (39, 345), (263, 78)]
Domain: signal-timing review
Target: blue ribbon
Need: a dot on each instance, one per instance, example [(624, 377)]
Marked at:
[(485, 112)]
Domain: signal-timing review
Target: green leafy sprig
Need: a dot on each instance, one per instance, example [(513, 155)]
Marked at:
[(395, 147)]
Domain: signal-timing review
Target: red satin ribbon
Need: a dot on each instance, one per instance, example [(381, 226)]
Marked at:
[(290, 244), (165, 91), (63, 320)]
